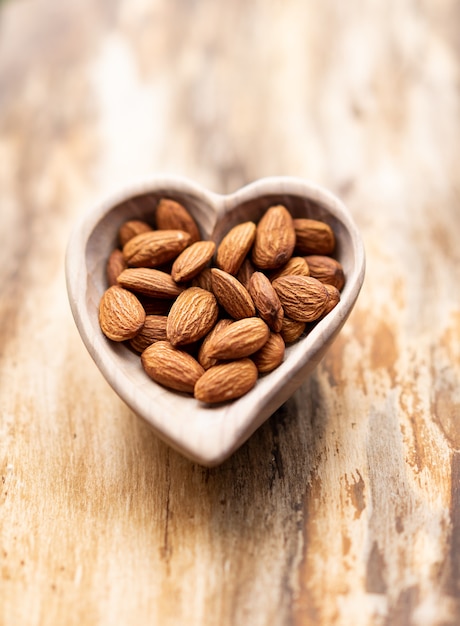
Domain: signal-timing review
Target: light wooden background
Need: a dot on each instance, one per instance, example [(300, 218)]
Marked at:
[(344, 508)]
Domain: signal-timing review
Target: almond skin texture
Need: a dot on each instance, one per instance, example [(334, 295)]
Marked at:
[(192, 260), (240, 339), (232, 295), (154, 329), (275, 239), (131, 228), (234, 247), (334, 298), (245, 272), (326, 269), (266, 301), (204, 358), (303, 298), (121, 315), (291, 330), (115, 265), (171, 215), (226, 381), (271, 355), (155, 248), (203, 280), (192, 316), (150, 282), (171, 367), (313, 237), (296, 266)]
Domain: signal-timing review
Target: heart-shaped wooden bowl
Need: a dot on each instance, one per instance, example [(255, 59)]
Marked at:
[(205, 434)]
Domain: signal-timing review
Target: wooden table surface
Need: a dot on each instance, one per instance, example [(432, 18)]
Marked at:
[(344, 507)]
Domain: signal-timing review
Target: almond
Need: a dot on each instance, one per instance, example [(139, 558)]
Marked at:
[(274, 297), (239, 339), (231, 294), (296, 266), (245, 272), (121, 315), (154, 329), (192, 260), (326, 269), (154, 248), (131, 228), (270, 355), (291, 330), (115, 265), (203, 280), (150, 282), (192, 316), (334, 298), (171, 367), (275, 239), (313, 237), (303, 298), (226, 381), (204, 358), (171, 215), (234, 247), (266, 300)]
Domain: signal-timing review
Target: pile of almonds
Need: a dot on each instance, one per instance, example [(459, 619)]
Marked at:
[(208, 320)]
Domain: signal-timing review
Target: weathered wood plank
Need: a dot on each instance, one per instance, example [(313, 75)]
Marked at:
[(344, 507)]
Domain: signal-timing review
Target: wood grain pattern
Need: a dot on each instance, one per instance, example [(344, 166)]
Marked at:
[(344, 508)]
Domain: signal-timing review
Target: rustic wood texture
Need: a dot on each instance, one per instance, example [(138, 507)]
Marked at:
[(344, 507)]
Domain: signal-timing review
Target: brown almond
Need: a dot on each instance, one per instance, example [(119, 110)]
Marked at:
[(226, 381), (115, 265), (291, 330), (303, 298), (234, 247), (171, 215), (326, 269), (131, 228), (121, 315), (245, 272), (154, 329), (150, 282), (203, 280), (296, 266), (192, 316), (266, 301), (240, 339), (155, 248), (204, 358), (275, 239), (270, 355), (171, 367), (313, 237), (231, 295), (334, 298), (192, 260)]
